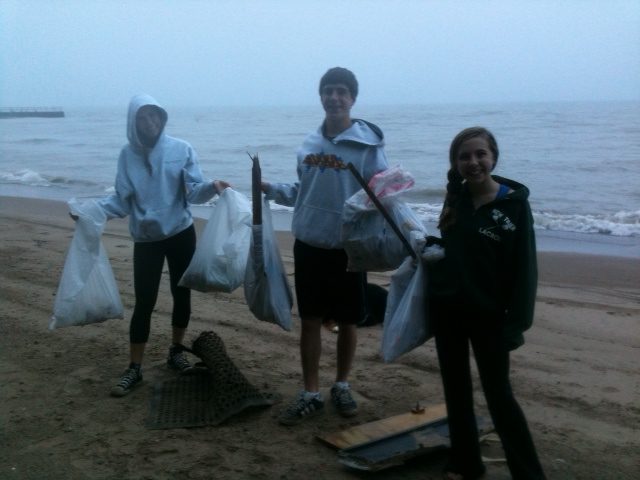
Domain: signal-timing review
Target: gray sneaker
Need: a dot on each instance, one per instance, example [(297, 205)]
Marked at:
[(343, 401), (129, 379), (177, 360), (300, 409)]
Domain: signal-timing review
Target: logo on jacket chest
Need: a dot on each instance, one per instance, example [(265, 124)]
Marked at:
[(503, 223), (502, 220), (324, 160)]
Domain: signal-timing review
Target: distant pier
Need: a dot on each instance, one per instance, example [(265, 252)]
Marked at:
[(24, 112)]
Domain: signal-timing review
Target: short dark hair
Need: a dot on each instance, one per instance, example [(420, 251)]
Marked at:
[(340, 75)]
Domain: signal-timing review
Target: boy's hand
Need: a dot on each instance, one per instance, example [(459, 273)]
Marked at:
[(220, 185)]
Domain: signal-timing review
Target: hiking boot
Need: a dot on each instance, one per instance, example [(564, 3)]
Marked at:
[(300, 409), (343, 401), (177, 359), (129, 379)]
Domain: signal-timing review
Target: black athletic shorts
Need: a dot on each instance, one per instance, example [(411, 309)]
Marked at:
[(324, 288)]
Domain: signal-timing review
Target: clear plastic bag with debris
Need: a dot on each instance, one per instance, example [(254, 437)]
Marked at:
[(370, 242), (220, 259), (87, 292), (405, 321)]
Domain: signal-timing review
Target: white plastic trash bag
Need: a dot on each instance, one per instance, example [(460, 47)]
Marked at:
[(220, 259), (369, 240), (405, 320), (266, 288), (87, 292)]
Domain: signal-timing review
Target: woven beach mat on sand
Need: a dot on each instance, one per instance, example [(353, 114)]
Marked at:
[(205, 396)]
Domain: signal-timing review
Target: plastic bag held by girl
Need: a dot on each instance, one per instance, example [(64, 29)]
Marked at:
[(220, 259), (370, 242), (87, 292), (406, 325)]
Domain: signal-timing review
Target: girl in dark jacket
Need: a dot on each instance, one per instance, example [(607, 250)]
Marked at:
[(483, 292)]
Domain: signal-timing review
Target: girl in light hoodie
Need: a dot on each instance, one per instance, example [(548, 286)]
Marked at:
[(158, 178)]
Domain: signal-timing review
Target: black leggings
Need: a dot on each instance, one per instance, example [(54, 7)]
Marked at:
[(454, 330), (148, 261)]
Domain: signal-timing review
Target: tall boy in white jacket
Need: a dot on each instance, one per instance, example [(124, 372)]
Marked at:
[(324, 288)]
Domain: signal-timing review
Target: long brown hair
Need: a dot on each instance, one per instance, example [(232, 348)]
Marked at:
[(454, 179)]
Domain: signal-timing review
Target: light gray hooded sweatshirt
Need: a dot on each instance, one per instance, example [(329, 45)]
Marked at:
[(325, 182), (155, 186)]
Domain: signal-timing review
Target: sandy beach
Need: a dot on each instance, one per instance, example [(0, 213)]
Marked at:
[(577, 377)]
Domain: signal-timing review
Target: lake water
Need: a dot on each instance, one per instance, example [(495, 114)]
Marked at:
[(581, 161)]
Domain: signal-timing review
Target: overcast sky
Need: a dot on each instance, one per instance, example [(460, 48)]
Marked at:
[(273, 52)]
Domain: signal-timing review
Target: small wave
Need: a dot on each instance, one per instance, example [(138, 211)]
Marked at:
[(25, 177), (35, 179), (620, 224)]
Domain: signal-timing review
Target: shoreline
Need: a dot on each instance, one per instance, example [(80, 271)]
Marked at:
[(547, 240), (561, 266)]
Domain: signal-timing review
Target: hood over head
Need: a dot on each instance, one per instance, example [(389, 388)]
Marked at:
[(135, 104)]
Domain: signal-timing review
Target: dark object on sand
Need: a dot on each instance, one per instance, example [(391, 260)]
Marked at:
[(375, 298), (205, 396)]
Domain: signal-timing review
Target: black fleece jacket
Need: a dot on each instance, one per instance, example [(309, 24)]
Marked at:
[(490, 261)]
